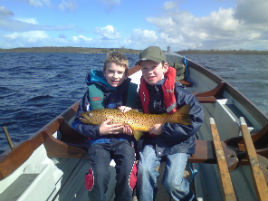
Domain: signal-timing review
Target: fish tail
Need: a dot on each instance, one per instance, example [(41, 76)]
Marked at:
[(182, 116)]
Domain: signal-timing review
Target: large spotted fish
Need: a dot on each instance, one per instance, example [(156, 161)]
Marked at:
[(138, 121)]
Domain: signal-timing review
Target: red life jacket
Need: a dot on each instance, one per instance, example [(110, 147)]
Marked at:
[(168, 92)]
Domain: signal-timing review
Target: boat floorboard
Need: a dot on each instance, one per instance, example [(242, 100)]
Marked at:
[(72, 187), (15, 190)]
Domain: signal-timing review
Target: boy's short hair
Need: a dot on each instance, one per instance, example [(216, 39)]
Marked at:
[(153, 53), (118, 59)]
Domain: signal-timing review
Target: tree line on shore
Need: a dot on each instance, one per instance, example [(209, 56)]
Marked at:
[(124, 50)]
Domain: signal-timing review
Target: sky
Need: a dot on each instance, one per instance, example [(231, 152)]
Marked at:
[(135, 24)]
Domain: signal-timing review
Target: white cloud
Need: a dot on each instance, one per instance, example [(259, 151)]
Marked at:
[(220, 30), (28, 37), (144, 35), (9, 23), (169, 5), (27, 20), (5, 12), (162, 22), (139, 38), (170, 40), (67, 5), (14, 25), (38, 3), (108, 33), (253, 35), (110, 4), (81, 38), (222, 19), (252, 11), (63, 5)]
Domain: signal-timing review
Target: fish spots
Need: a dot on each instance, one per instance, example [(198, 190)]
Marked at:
[(136, 120)]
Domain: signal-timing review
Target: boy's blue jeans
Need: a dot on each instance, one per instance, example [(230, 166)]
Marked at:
[(99, 175), (173, 179)]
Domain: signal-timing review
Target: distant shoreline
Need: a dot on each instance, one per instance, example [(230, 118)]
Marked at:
[(124, 50), (71, 50)]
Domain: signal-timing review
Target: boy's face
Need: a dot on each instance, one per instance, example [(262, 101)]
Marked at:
[(114, 74), (153, 72)]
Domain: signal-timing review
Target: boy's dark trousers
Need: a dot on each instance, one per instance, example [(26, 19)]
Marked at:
[(100, 155)]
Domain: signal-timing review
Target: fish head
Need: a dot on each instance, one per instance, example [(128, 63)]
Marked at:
[(86, 117), (93, 117)]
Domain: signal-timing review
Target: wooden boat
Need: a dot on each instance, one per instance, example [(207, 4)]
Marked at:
[(229, 164)]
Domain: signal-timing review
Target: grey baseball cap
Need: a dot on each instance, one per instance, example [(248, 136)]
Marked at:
[(153, 53)]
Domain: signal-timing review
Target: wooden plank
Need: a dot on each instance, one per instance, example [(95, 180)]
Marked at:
[(214, 92), (258, 176), (259, 139), (186, 83), (133, 70), (57, 148), (226, 181), (204, 153), (206, 99)]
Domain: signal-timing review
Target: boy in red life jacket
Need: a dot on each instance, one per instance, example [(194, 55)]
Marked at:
[(159, 93)]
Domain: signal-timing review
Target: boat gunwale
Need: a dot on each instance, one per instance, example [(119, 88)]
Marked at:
[(242, 99), (12, 159)]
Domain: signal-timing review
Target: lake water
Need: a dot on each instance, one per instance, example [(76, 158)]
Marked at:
[(36, 87)]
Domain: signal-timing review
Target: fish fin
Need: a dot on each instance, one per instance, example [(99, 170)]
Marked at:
[(182, 115), (82, 118), (138, 135)]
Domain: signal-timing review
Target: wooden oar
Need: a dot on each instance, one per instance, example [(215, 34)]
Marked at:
[(226, 181), (259, 180), (8, 138)]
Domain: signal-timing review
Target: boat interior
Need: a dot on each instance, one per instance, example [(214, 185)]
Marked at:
[(52, 164)]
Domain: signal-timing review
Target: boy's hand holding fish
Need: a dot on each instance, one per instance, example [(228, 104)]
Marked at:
[(115, 128), (155, 129)]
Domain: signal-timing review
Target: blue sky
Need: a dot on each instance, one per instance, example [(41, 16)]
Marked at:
[(135, 24)]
